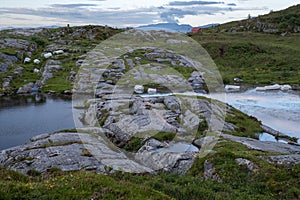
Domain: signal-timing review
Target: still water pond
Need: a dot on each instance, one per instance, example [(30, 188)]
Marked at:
[(23, 117)]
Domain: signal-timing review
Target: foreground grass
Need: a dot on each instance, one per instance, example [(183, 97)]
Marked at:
[(236, 182)]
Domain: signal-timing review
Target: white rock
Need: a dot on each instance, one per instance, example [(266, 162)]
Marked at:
[(232, 88), (286, 87), (47, 55), (139, 89), (58, 52), (269, 87), (237, 80), (27, 60), (152, 91), (36, 70), (36, 61)]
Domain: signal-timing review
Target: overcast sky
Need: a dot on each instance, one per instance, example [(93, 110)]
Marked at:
[(123, 13)]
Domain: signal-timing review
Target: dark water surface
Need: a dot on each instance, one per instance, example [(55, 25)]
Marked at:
[(23, 117)]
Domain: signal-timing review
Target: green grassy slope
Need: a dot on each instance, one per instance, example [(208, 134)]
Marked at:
[(245, 49), (287, 20), (257, 58)]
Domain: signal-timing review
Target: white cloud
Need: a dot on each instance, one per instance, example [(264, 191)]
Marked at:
[(134, 12)]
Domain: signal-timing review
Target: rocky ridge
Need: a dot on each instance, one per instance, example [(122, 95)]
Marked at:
[(141, 133)]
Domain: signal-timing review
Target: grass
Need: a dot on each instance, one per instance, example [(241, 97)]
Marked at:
[(86, 152), (256, 58), (246, 126), (266, 182), (134, 144), (202, 127), (237, 184), (74, 185), (164, 136)]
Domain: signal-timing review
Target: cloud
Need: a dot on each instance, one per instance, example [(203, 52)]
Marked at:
[(77, 5), (73, 15), (190, 3), (170, 15), (83, 13)]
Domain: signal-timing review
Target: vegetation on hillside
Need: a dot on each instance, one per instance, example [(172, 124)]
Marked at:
[(74, 41), (253, 55), (282, 21), (231, 181)]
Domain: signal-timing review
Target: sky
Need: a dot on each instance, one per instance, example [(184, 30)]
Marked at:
[(131, 13)]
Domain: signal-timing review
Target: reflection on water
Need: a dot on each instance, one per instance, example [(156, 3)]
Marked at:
[(277, 109), (271, 138), (23, 117)]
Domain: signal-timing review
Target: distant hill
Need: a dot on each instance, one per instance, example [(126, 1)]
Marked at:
[(209, 25), (173, 27), (11, 27), (287, 20)]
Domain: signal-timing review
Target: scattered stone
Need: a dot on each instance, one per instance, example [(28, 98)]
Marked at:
[(286, 87), (274, 87), (232, 88), (58, 52), (47, 55), (36, 61), (67, 92), (210, 172), (249, 164), (237, 80), (139, 89), (27, 60), (36, 70), (151, 91)]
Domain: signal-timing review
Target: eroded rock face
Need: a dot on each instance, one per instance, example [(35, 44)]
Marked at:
[(63, 151), (247, 163), (286, 160), (264, 146), (50, 67), (26, 88), (6, 61)]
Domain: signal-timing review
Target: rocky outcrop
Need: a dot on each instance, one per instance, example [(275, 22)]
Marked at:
[(286, 160), (247, 163), (210, 172), (6, 61), (50, 67), (86, 151), (25, 88), (18, 44), (264, 146)]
